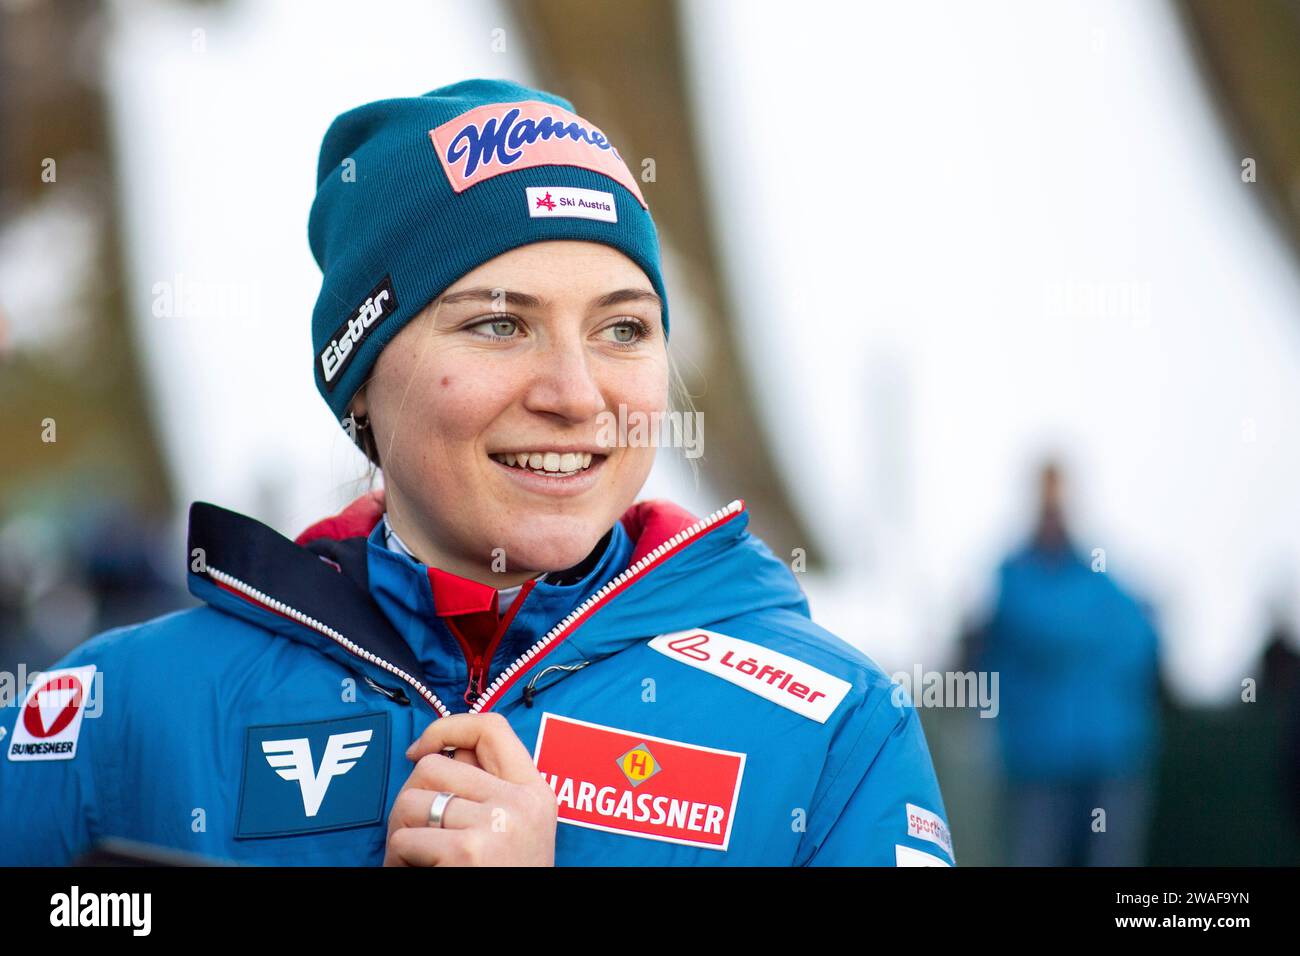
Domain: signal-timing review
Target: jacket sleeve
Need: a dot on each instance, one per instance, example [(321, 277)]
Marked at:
[(48, 805), (894, 814)]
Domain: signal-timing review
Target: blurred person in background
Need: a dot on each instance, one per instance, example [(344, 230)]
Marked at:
[(1077, 659), (1280, 690)]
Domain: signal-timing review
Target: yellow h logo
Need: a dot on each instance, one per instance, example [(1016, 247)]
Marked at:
[(638, 764)]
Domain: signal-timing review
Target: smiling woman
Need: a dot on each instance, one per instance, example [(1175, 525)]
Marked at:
[(490, 398), (500, 657)]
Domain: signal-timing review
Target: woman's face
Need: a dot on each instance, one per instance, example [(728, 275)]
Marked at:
[(528, 355)]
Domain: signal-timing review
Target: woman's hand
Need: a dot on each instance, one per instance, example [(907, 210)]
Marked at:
[(503, 813)]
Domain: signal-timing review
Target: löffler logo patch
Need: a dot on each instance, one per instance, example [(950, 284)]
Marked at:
[(777, 677), (619, 781)]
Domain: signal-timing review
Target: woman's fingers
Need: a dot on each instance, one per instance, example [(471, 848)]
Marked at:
[(489, 736), (504, 813), (435, 772), (470, 846), (411, 809), (465, 756), (429, 846)]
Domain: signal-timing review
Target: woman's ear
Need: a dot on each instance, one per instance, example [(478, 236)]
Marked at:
[(357, 409)]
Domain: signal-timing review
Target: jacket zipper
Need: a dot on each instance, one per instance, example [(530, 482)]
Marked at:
[(478, 663), (248, 591), (471, 658), (579, 614), (575, 618)]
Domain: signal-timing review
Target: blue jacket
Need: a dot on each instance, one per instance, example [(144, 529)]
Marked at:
[(1077, 665), (677, 698)]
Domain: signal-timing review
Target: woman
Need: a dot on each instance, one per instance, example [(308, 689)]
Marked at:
[(386, 688)]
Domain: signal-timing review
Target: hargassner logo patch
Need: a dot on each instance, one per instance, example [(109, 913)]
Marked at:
[(347, 338), (548, 202), (302, 778), (619, 781), (50, 720), (777, 677), (927, 825), (503, 137)]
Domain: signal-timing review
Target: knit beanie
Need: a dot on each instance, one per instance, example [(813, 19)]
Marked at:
[(414, 192)]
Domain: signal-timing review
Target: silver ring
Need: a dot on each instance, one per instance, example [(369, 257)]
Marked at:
[(439, 807)]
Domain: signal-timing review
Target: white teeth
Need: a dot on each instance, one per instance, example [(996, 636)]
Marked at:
[(551, 462)]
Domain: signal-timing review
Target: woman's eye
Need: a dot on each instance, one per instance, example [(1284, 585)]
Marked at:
[(627, 333), (502, 328)]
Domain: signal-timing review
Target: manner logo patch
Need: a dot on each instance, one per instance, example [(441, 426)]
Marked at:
[(760, 670), (50, 720), (303, 778), (623, 782), (500, 138), (570, 202), (347, 338)]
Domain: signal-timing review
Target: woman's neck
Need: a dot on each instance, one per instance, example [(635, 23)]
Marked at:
[(428, 555), (494, 579)]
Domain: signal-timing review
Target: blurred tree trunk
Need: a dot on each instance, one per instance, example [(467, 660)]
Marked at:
[(69, 360), (1250, 52)]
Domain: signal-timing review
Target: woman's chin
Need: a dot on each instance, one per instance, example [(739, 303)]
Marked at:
[(554, 554)]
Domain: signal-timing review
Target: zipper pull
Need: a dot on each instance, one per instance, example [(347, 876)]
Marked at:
[(392, 693), (475, 689)]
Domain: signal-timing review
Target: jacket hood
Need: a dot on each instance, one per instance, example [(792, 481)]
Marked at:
[(684, 572)]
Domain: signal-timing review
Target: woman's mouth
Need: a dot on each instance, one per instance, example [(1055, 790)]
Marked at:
[(550, 472), (548, 463)]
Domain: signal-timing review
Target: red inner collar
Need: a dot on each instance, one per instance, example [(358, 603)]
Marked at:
[(648, 523)]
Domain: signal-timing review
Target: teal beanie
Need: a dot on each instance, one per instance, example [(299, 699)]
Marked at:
[(412, 193)]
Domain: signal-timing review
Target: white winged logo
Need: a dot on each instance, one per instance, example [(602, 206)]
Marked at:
[(291, 759)]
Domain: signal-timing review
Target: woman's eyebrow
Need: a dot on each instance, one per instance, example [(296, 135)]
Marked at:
[(627, 295), (525, 301)]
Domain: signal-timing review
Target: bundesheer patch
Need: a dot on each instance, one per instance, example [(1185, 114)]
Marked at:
[(49, 722)]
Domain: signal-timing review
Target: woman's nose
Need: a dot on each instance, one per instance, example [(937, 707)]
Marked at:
[(562, 383)]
